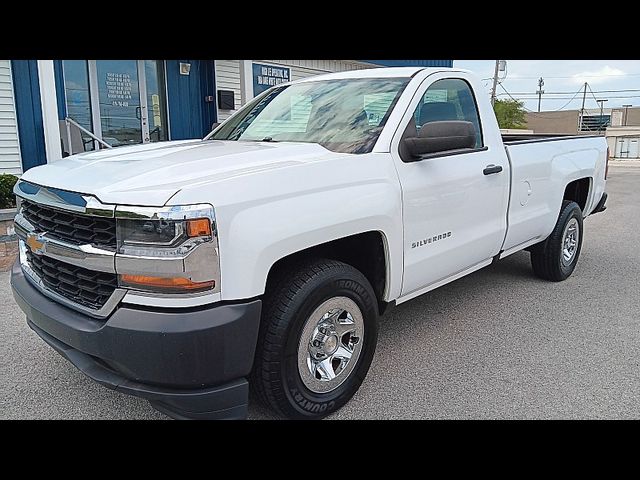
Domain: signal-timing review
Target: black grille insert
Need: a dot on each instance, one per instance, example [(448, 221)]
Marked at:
[(82, 286), (71, 227)]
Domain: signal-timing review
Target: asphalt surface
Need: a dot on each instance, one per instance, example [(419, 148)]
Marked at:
[(499, 343)]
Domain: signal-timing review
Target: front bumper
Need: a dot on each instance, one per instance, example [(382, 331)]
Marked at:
[(189, 363)]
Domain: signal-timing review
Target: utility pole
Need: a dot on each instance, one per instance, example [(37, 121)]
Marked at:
[(626, 113), (495, 83), (540, 91), (584, 97)]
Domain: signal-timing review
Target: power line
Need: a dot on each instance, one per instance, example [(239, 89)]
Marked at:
[(514, 99), (569, 93), (582, 76), (530, 96), (572, 98), (527, 109), (619, 91), (593, 94), (531, 111)]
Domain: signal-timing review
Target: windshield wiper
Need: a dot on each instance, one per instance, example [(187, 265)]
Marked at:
[(268, 139)]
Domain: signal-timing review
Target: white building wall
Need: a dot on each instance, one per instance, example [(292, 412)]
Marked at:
[(624, 142), (47, 81), (228, 78), (10, 161), (233, 75)]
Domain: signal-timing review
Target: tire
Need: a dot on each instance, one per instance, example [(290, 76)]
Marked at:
[(290, 311), (548, 258)]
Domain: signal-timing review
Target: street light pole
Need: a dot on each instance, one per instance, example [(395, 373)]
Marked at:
[(626, 113)]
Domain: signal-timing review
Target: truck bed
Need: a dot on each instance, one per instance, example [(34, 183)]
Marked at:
[(515, 138), (541, 167)]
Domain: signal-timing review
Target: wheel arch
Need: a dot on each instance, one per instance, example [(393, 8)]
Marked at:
[(579, 191), (367, 251)]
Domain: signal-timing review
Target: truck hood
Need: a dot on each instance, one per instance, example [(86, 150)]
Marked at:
[(151, 174)]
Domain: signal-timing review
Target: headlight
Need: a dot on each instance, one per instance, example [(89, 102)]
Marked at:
[(161, 233), (161, 237), (168, 249)]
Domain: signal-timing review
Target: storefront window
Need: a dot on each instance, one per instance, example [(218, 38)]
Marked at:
[(119, 98), (122, 102), (156, 102), (76, 89)]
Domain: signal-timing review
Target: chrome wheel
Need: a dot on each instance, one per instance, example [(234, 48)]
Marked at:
[(570, 239), (330, 344)]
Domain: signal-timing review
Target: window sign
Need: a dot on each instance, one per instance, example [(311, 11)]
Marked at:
[(119, 100), (118, 88), (266, 76)]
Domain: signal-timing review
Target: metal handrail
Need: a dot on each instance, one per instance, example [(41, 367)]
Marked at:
[(69, 120)]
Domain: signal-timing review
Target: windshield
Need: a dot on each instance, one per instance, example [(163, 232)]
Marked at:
[(344, 115)]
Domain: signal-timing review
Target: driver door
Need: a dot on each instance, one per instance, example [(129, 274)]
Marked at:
[(454, 213)]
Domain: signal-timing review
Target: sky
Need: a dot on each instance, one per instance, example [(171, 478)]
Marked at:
[(565, 77)]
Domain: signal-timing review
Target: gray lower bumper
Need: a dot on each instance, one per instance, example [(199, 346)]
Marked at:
[(188, 363)]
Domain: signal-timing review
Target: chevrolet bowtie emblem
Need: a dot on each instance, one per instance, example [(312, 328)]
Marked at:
[(35, 244)]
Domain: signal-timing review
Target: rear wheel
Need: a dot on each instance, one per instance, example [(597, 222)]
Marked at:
[(556, 257), (317, 339)]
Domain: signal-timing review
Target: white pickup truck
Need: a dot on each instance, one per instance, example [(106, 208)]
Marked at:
[(263, 256)]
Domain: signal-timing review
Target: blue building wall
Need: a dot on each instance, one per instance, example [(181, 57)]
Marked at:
[(26, 89), (60, 93), (190, 116)]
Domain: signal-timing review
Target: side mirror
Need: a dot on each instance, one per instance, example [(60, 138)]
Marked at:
[(214, 125), (445, 136)]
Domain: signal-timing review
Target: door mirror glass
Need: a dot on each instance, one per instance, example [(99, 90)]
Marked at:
[(441, 136)]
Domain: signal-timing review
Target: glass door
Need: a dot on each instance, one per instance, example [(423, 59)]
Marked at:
[(119, 106), (123, 102), (156, 102)]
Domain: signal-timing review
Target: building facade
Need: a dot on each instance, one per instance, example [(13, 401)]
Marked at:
[(52, 108), (569, 121), (621, 126), (624, 142)]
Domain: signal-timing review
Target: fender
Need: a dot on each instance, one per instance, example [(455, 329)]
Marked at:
[(287, 210)]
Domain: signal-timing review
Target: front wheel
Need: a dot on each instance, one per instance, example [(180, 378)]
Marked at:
[(317, 339), (556, 257)]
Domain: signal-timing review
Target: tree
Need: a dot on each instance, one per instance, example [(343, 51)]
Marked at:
[(510, 113)]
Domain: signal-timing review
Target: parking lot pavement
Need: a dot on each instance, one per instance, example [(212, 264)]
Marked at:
[(499, 343)]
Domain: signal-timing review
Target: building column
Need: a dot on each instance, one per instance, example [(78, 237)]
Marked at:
[(246, 81), (49, 101)]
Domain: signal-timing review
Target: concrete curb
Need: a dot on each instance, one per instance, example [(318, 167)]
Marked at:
[(624, 164), (7, 213)]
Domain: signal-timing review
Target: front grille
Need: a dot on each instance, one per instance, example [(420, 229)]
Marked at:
[(82, 286), (71, 227)]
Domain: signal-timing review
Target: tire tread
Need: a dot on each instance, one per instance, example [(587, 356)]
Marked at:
[(272, 338), (544, 260)]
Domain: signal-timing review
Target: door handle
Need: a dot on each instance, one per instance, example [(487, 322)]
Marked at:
[(491, 169)]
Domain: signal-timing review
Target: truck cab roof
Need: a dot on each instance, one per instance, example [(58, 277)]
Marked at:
[(378, 73)]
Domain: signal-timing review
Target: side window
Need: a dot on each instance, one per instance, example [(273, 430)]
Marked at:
[(449, 99)]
